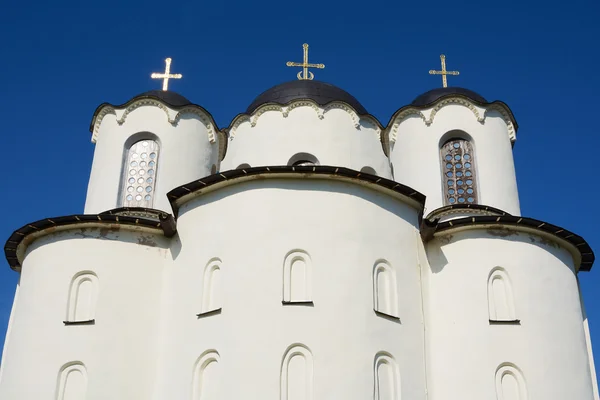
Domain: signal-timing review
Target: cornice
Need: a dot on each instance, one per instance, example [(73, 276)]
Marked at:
[(320, 110), (580, 250), (452, 99), (132, 218), (172, 113)]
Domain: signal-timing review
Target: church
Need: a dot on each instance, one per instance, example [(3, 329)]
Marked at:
[(305, 252)]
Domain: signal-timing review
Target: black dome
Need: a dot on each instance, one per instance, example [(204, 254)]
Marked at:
[(320, 92), (433, 95), (171, 98)]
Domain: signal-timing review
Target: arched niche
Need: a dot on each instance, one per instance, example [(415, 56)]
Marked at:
[(72, 382), (510, 383), (385, 289), (296, 378), (82, 298), (206, 381), (386, 378), (297, 277), (501, 302), (212, 291)]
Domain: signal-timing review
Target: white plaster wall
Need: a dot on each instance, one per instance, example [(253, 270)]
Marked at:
[(186, 154), (415, 156), (345, 228), (465, 350), (119, 351), (333, 140)]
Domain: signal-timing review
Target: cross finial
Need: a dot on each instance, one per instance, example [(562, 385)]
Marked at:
[(305, 74), (443, 72), (167, 75)]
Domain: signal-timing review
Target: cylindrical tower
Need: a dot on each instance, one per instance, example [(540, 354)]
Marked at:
[(310, 302), (84, 323), (146, 147), (456, 148), (306, 123), (503, 310)]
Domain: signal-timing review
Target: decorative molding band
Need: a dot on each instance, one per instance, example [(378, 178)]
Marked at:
[(285, 111), (105, 111), (475, 109), (205, 119), (400, 118)]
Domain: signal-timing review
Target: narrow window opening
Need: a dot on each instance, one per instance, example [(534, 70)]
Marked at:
[(139, 178), (459, 176)]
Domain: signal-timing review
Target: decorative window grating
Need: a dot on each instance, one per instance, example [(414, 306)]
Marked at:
[(140, 174), (459, 175)]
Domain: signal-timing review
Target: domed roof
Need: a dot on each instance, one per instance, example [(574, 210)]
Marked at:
[(320, 92), (433, 95), (171, 98)]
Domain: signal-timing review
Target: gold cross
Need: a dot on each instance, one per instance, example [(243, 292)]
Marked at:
[(443, 72), (167, 75), (305, 74)]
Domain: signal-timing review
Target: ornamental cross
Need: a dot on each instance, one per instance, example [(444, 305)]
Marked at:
[(443, 72), (167, 75), (305, 74)]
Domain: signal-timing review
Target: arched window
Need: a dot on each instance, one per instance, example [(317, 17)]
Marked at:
[(303, 159), (297, 275), (72, 382), (501, 302), (139, 177), (386, 378), (510, 384), (83, 295), (296, 379), (459, 178)]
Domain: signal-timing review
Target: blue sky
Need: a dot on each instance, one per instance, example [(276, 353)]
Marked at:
[(60, 60)]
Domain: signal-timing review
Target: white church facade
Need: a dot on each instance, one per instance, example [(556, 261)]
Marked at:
[(306, 252)]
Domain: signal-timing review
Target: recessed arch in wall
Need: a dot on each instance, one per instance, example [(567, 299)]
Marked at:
[(510, 383), (458, 169), (243, 166), (212, 289), (296, 377), (206, 380), (385, 289), (82, 297), (297, 277), (72, 382), (386, 378), (501, 302), (303, 159)]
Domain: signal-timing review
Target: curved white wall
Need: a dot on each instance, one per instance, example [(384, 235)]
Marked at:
[(119, 350), (465, 349), (415, 155), (342, 230), (333, 139), (186, 154)]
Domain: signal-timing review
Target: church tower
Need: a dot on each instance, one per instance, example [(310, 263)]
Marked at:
[(304, 252)]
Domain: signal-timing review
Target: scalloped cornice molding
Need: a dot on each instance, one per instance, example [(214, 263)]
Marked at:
[(475, 109), (205, 119), (285, 111)]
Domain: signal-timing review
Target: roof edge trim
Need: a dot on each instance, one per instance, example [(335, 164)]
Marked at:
[(16, 245), (452, 98), (106, 108), (191, 190), (581, 251)]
